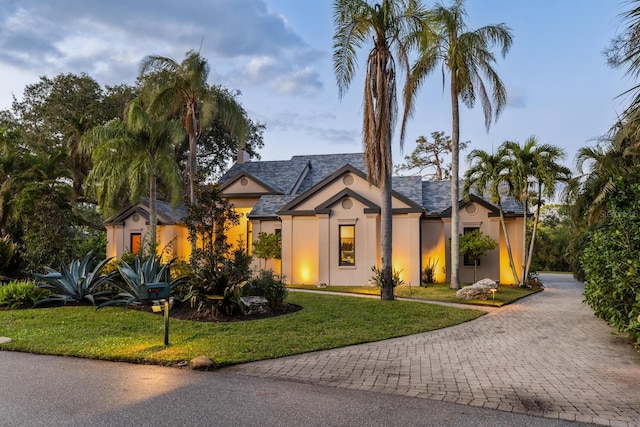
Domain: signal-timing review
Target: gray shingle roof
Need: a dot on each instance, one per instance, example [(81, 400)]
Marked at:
[(408, 186), (436, 198), (323, 165), (307, 171), (268, 205), (282, 175)]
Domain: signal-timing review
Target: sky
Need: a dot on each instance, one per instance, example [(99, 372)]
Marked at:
[(278, 54)]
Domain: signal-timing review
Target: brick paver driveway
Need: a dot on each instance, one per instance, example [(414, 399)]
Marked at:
[(546, 355)]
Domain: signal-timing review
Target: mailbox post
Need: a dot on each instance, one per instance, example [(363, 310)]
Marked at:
[(158, 292)]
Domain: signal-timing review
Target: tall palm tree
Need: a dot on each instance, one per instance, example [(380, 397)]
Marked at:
[(130, 156), (181, 89), (547, 174), (392, 26), (487, 172), (466, 57), (533, 172)]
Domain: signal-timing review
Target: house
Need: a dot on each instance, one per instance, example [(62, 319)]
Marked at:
[(328, 216)]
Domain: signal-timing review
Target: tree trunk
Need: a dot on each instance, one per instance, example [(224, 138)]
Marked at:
[(386, 219), (193, 167), (455, 158), (533, 234), (153, 215), (508, 244), (193, 157), (524, 245)]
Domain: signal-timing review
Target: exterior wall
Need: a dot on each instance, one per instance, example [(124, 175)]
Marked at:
[(304, 250), (474, 215), (434, 249), (245, 185), (364, 249), (514, 229), (174, 237), (406, 247), (177, 236), (435, 235)]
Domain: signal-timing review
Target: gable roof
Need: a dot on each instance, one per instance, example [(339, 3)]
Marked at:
[(167, 214), (280, 176), (348, 168), (300, 176)]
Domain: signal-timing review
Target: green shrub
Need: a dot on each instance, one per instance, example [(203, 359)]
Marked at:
[(80, 281), (377, 277), (17, 294), (267, 285), (429, 272), (134, 277), (611, 263)]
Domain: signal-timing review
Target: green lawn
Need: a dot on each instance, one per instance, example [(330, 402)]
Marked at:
[(436, 292), (326, 321)]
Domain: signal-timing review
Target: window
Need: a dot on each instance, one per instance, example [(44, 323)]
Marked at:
[(347, 238), (136, 241), (467, 260)]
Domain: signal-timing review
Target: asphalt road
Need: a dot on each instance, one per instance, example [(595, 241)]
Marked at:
[(40, 391)]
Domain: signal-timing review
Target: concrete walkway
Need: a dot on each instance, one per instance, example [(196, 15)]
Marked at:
[(546, 355)]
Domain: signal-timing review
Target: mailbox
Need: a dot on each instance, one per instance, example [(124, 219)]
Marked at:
[(154, 291)]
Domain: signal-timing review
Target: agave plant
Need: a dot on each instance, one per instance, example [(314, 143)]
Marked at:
[(80, 281), (151, 270)]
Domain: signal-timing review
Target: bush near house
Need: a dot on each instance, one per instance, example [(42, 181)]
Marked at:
[(20, 294), (611, 263), (267, 284)]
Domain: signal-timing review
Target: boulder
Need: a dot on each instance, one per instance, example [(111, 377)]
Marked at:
[(254, 304), (201, 363), (5, 340), (479, 290)]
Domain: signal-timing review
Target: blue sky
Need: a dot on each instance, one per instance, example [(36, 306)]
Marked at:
[(278, 53)]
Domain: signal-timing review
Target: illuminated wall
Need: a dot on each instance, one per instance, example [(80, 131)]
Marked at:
[(304, 250), (240, 233), (434, 248)]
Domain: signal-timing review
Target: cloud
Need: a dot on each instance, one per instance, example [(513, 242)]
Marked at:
[(108, 37), (301, 82)]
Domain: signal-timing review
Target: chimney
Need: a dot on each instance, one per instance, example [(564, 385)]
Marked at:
[(243, 157)]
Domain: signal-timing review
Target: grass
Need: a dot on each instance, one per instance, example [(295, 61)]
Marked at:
[(326, 321), (434, 292)]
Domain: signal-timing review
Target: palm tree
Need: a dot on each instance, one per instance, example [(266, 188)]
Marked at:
[(130, 156), (533, 172), (487, 172), (181, 89), (466, 57), (392, 26)]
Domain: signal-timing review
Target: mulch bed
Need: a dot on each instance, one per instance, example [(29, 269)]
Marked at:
[(186, 312)]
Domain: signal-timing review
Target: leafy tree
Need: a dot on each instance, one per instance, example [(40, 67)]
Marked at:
[(428, 155), (181, 90), (554, 238), (219, 271), (56, 112), (43, 214), (218, 145), (130, 156), (465, 56), (487, 173), (474, 245), (267, 246), (392, 26)]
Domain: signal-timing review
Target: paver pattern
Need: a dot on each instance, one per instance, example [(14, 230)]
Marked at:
[(546, 355)]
